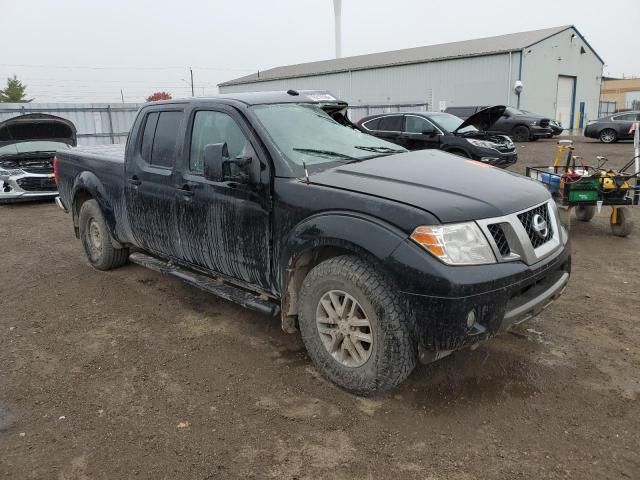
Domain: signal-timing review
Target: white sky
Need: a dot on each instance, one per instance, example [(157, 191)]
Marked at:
[(85, 50)]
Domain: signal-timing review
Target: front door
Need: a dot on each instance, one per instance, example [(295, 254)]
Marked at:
[(223, 227), (419, 133), (149, 183)]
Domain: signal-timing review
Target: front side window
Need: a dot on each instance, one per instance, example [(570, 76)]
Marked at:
[(163, 153), (306, 134), (392, 123), (413, 124), (627, 117), (215, 127)]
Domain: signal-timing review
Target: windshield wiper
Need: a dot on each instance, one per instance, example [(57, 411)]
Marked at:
[(326, 153), (379, 149)]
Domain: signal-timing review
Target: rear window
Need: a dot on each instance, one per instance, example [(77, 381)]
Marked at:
[(391, 123), (159, 138)]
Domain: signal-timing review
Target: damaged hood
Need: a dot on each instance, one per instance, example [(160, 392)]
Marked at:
[(37, 127), (483, 119), (452, 188)]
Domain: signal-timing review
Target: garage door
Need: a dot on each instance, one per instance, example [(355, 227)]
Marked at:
[(564, 101)]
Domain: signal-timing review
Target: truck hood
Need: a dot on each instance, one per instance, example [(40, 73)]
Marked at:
[(37, 126), (450, 187), (483, 119)]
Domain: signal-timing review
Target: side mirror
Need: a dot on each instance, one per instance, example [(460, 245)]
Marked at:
[(214, 157)]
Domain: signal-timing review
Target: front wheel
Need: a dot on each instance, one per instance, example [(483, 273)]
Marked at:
[(520, 134), (354, 326), (96, 239)]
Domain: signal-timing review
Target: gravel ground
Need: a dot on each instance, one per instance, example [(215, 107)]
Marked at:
[(130, 374)]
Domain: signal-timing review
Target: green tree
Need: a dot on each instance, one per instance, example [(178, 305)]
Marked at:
[(15, 91)]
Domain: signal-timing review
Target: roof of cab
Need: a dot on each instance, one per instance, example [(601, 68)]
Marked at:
[(261, 98)]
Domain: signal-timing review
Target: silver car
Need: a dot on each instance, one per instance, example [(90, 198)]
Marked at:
[(27, 146)]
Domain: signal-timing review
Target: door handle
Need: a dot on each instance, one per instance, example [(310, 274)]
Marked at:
[(186, 191), (135, 181)]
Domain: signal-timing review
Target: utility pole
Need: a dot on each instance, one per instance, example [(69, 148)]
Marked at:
[(192, 91), (337, 11)]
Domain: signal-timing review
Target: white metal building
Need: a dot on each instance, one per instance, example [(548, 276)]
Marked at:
[(560, 72)]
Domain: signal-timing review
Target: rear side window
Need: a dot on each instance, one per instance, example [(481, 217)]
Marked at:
[(392, 123), (627, 117), (159, 138), (163, 153), (147, 136), (415, 124), (372, 124)]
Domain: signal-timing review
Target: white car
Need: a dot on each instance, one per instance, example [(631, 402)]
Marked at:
[(28, 144)]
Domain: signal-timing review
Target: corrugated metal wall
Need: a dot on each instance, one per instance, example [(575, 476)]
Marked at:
[(96, 123), (561, 55), (476, 81)]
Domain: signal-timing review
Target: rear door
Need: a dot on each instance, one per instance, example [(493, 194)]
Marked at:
[(224, 227), (623, 123), (419, 133), (149, 181)]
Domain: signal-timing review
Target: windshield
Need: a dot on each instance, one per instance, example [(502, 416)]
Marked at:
[(451, 122), (305, 133), (35, 146)]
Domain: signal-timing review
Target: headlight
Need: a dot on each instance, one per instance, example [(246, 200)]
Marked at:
[(455, 244), (481, 143)]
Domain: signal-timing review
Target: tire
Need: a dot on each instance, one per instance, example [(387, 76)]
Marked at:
[(624, 222), (97, 240), (585, 213), (520, 134), (608, 135), (392, 350)]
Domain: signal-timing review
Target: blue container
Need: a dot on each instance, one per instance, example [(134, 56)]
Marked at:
[(551, 180)]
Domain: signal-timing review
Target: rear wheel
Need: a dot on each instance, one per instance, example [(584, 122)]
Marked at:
[(520, 134), (354, 326), (585, 213), (623, 225), (96, 239), (608, 135)]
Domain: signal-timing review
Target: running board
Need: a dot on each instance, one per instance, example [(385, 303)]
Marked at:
[(216, 286)]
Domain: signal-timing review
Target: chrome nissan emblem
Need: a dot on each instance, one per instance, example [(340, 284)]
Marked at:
[(540, 225)]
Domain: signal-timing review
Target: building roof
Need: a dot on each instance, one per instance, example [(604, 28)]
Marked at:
[(467, 48)]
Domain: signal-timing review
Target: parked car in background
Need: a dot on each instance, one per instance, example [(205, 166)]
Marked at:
[(554, 125), (612, 128), (27, 147), (443, 131), (513, 122), (378, 255)]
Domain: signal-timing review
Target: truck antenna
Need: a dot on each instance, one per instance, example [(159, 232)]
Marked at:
[(306, 172)]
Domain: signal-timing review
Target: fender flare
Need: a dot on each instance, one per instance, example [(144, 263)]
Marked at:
[(356, 232), (88, 182)]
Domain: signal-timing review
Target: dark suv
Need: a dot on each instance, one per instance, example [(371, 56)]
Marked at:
[(521, 127), (425, 130)]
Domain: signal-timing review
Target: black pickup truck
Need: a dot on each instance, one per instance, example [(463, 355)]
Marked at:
[(378, 255)]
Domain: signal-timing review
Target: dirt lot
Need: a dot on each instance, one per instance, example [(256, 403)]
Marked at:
[(130, 374)]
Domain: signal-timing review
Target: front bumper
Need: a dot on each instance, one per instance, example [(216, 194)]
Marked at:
[(500, 295), (26, 186), (496, 157), (540, 132)]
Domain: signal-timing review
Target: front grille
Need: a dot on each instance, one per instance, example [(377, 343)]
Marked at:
[(37, 184), (527, 219), (500, 238)]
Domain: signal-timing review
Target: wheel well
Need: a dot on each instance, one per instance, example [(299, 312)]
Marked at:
[(80, 197), (295, 275), (520, 125)]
